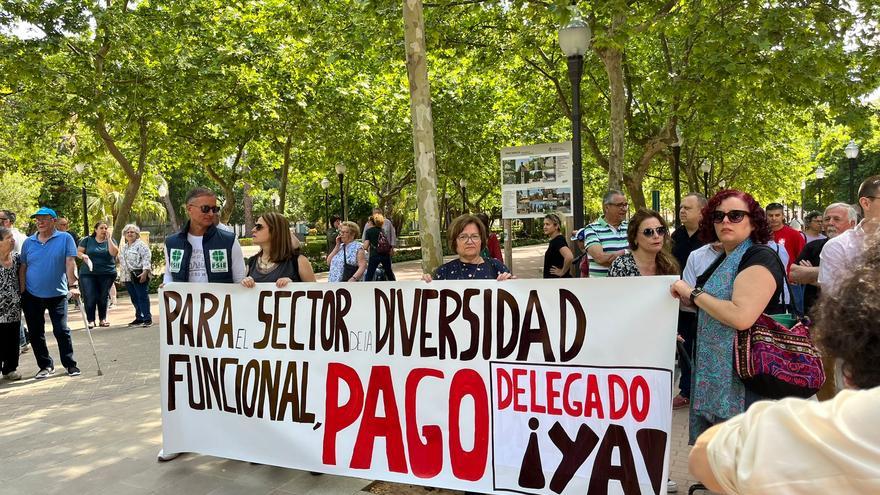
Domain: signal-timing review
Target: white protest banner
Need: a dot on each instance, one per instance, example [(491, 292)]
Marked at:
[(523, 386)]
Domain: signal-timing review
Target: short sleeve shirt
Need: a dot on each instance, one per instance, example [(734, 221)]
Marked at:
[(553, 257), (611, 239), (99, 254), (459, 270), (372, 235), (46, 274)]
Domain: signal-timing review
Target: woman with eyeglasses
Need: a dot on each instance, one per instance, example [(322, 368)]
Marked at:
[(347, 259), (467, 236), (277, 261), (558, 257), (134, 272), (745, 281), (650, 248), (97, 272)]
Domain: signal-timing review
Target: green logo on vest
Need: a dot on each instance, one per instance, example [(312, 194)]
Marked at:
[(176, 259), (219, 262)]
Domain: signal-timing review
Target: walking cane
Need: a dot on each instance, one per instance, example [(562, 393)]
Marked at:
[(82, 311)]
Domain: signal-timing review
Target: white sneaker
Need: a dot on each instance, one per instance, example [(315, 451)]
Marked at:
[(671, 486)]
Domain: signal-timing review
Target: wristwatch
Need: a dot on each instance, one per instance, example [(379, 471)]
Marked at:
[(694, 293)]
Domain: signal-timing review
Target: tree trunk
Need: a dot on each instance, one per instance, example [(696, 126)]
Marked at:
[(172, 215), (423, 134), (248, 208), (134, 175), (285, 168), (613, 61)]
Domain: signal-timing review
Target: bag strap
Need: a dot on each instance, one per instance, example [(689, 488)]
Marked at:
[(790, 306)]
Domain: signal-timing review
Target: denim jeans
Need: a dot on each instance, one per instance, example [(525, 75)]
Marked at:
[(374, 261), (96, 292), (34, 310), (140, 299), (22, 335)]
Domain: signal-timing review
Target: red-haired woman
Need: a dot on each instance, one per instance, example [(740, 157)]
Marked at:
[(650, 248), (745, 281)]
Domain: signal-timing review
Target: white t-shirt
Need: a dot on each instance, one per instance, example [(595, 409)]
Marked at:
[(197, 270)]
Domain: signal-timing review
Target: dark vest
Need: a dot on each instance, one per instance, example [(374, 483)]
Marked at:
[(214, 241)]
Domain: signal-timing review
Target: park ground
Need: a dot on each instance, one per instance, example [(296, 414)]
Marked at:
[(100, 434)]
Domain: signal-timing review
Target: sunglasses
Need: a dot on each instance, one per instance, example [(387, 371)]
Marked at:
[(208, 209), (258, 227), (735, 216), (661, 231)]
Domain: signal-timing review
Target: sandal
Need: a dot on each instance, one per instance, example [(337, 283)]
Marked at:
[(105, 323), (91, 325)]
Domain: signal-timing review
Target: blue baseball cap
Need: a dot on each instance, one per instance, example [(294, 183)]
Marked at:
[(45, 211)]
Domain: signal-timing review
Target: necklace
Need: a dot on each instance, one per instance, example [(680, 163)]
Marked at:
[(265, 266)]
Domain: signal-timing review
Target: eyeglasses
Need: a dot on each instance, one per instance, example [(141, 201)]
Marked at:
[(258, 227), (661, 231), (735, 216), (131, 232), (3, 219), (474, 238), (623, 205), (208, 209)]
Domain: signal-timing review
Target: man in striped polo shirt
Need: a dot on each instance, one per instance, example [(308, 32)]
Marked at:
[(605, 239)]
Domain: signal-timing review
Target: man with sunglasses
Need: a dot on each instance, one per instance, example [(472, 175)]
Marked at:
[(605, 239), (201, 252), (842, 253)]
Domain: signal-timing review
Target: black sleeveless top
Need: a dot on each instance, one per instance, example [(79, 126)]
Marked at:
[(285, 269)]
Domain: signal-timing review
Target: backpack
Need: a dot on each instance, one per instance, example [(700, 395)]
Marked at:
[(383, 246)]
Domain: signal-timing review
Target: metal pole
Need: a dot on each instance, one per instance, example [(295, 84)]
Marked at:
[(803, 203), (327, 209), (852, 184), (463, 200), (85, 231), (819, 185), (342, 197), (706, 184), (575, 72), (676, 182)]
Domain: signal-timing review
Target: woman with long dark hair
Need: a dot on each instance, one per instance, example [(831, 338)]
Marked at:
[(277, 261), (745, 281), (97, 272), (650, 248)]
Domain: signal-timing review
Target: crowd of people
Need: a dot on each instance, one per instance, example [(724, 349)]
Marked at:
[(734, 260)]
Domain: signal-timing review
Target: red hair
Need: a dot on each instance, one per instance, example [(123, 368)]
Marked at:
[(761, 233)]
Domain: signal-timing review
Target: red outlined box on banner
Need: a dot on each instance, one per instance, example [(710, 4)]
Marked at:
[(579, 429)]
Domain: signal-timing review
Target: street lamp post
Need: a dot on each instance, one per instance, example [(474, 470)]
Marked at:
[(340, 172), (820, 174), (325, 184), (676, 167), (803, 198), (852, 152), (463, 184), (705, 167), (80, 169), (275, 200), (574, 39)]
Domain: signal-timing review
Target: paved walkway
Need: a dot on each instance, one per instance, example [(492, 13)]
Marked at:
[(100, 434)]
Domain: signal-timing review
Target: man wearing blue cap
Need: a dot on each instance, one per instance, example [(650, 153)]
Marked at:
[(47, 263)]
